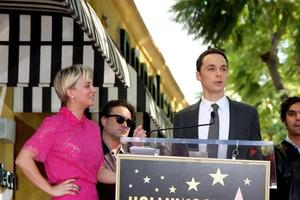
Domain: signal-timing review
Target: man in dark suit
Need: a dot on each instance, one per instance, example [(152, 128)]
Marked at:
[(237, 121)]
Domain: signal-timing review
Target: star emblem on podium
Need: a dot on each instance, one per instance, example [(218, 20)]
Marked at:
[(218, 177), (147, 179), (172, 189), (192, 184)]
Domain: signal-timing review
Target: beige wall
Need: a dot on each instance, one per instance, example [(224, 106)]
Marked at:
[(6, 149), (26, 123)]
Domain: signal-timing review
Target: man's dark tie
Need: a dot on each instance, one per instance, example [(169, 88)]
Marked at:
[(213, 133)]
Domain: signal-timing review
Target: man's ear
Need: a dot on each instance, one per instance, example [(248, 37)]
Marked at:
[(198, 76), (285, 124), (103, 121)]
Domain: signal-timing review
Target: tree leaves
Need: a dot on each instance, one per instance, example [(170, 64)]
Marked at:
[(262, 41)]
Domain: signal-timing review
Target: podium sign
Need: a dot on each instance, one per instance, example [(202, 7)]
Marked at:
[(142, 177)]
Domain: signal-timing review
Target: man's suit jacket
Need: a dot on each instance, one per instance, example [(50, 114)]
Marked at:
[(243, 123)]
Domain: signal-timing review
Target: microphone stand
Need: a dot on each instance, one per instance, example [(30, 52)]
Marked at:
[(212, 115)]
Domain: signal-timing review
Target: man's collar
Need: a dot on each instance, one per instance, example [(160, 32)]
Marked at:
[(117, 150), (222, 103), (293, 143)]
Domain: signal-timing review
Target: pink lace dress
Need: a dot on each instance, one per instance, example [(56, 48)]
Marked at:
[(69, 148)]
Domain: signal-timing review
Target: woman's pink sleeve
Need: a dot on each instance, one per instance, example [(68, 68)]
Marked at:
[(41, 141)]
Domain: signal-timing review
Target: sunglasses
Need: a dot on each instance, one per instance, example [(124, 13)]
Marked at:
[(120, 120)]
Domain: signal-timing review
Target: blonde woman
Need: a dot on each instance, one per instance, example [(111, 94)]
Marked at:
[(68, 144)]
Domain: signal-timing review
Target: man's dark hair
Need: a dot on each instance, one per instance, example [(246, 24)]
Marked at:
[(199, 61), (117, 103), (284, 108)]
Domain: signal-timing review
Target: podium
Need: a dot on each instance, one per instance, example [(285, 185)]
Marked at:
[(179, 169)]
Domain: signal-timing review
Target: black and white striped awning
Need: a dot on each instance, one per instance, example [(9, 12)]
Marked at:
[(44, 99), (37, 38), (33, 48)]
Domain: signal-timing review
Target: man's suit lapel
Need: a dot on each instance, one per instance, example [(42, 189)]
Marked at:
[(232, 126), (234, 115), (234, 130), (193, 118)]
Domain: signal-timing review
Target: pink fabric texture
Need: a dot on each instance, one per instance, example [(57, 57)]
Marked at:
[(69, 148)]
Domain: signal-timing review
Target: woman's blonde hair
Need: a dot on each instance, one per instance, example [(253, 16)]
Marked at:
[(67, 78)]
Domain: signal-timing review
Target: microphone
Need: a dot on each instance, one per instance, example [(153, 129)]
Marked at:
[(212, 115)]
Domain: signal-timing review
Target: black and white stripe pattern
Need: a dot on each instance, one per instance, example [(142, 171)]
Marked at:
[(87, 18), (44, 99), (33, 5), (25, 29), (41, 99), (34, 48)]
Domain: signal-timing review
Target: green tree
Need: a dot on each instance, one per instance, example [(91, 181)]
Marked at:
[(262, 41)]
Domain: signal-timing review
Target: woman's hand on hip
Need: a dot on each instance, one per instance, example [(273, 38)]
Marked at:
[(64, 188)]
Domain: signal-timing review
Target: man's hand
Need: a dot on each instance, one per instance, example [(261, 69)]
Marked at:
[(139, 132)]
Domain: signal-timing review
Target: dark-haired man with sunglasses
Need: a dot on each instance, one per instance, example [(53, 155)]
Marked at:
[(117, 119)]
